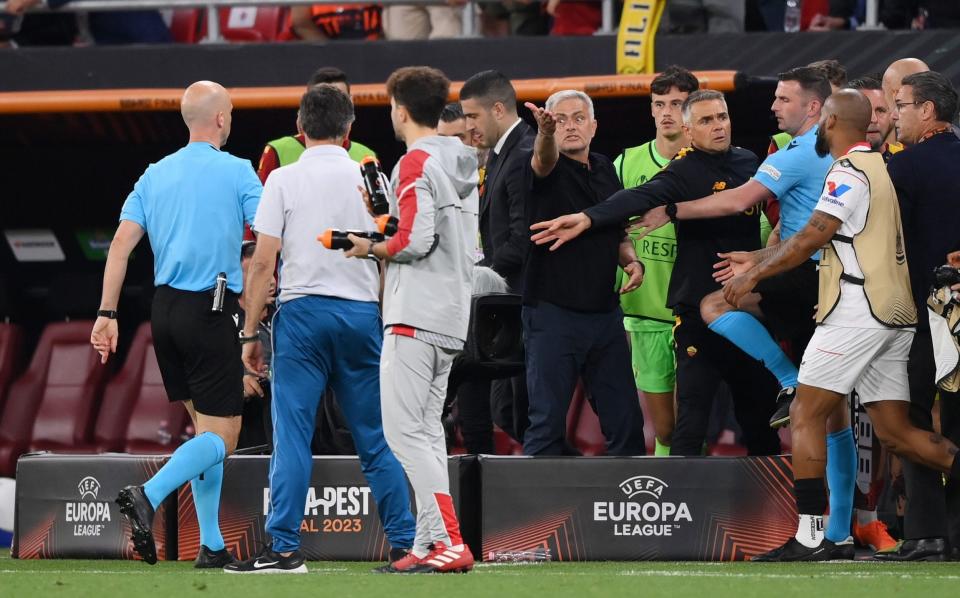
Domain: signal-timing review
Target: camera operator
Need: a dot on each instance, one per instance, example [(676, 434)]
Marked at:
[(326, 331)]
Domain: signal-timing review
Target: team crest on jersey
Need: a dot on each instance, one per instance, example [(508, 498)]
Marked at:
[(719, 186), (835, 190), (683, 152), (691, 351)]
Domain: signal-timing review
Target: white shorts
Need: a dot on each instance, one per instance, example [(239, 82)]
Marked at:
[(874, 360)]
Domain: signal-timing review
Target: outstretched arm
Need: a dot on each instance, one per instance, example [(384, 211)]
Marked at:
[(785, 255)]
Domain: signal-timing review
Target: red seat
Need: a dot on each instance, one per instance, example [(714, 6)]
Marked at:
[(11, 343), (156, 425), (54, 402), (587, 437), (185, 25), (251, 23), (119, 398)]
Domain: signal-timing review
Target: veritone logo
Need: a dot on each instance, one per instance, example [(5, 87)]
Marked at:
[(644, 512), (88, 516)]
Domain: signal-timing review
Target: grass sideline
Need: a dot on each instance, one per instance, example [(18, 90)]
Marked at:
[(103, 579)]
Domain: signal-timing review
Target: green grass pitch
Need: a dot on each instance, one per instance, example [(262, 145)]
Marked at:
[(105, 579)]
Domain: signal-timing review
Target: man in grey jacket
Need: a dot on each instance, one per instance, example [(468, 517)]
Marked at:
[(426, 306)]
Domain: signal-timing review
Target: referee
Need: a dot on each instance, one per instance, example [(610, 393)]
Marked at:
[(192, 205)]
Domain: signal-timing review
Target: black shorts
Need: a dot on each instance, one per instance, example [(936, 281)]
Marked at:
[(198, 350), (787, 300)]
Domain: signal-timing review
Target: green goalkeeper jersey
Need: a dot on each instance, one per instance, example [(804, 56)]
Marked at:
[(645, 309)]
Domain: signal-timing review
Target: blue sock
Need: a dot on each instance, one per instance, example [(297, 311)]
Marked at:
[(194, 457), (206, 500), (746, 332), (841, 479)]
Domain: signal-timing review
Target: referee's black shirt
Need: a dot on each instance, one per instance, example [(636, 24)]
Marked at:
[(928, 187), (691, 175), (580, 275)]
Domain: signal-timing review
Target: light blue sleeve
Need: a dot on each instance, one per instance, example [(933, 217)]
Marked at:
[(781, 171), (133, 206), (249, 190)]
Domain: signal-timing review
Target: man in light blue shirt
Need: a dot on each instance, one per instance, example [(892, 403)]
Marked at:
[(192, 205)]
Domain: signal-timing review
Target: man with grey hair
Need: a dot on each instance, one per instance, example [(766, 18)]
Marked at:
[(703, 358), (326, 331), (572, 322)]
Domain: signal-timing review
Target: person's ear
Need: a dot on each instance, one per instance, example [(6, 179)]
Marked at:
[(299, 126)]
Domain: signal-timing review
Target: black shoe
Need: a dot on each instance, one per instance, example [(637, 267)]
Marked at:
[(213, 559), (795, 551), (269, 561), (135, 506), (843, 551), (924, 549), (781, 414)]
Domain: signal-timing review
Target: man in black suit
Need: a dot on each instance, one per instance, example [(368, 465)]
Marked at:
[(489, 104)]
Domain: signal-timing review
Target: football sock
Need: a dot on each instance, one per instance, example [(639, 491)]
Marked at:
[(746, 332), (811, 503), (194, 457), (841, 480), (660, 450), (206, 500)]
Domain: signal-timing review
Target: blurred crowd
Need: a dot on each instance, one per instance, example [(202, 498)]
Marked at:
[(21, 24)]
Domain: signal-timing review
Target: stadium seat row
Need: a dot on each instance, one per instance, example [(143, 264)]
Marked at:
[(237, 24), (63, 401)]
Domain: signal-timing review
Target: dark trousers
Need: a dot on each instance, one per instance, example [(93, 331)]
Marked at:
[(704, 359), (563, 345), (930, 511)]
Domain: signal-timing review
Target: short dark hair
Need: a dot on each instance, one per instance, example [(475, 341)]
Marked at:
[(422, 90), (832, 70), (701, 95), (931, 86), (325, 112), (452, 112), (490, 87), (866, 83), (811, 79), (674, 76), (328, 74)]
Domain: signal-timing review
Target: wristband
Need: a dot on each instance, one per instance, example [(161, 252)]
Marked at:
[(671, 210), (249, 339), (370, 254), (107, 313)]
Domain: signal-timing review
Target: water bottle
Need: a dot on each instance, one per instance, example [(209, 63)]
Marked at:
[(791, 16), (537, 555)]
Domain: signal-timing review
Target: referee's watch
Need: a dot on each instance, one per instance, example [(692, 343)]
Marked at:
[(107, 313), (370, 254)]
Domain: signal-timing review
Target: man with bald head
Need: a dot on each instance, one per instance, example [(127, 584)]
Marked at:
[(192, 205), (898, 69), (865, 319)]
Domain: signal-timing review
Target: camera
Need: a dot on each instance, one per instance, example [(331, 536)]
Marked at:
[(945, 276)]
